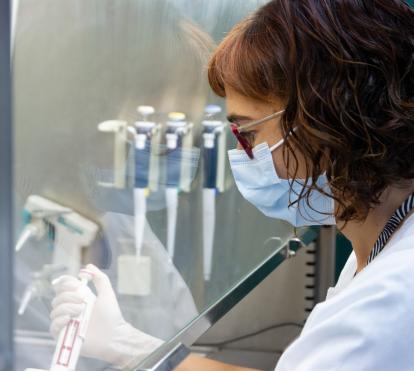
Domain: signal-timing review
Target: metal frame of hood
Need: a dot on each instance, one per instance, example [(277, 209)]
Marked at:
[(6, 192)]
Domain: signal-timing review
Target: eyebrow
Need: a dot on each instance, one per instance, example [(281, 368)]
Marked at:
[(233, 118)]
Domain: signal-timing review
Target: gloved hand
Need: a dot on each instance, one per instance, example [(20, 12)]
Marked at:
[(109, 337)]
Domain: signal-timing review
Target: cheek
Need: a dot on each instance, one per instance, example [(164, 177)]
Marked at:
[(261, 137), (280, 166)]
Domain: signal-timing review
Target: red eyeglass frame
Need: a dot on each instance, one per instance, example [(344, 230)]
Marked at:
[(237, 130)]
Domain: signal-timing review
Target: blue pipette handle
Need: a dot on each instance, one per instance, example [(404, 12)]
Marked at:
[(174, 158), (142, 164), (210, 158)]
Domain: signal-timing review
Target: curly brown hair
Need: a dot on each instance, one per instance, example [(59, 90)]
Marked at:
[(345, 69)]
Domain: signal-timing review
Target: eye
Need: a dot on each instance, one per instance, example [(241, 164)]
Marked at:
[(249, 136)]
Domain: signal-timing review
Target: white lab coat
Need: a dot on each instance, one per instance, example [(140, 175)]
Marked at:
[(367, 321)]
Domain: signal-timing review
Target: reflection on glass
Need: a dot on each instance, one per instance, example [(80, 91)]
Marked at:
[(145, 195)]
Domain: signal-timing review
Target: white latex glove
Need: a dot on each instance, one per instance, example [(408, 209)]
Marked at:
[(109, 337)]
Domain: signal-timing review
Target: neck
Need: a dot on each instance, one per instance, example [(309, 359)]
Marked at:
[(363, 235)]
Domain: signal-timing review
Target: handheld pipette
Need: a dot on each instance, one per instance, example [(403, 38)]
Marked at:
[(39, 285), (72, 336), (212, 158), (31, 230), (37, 215), (67, 231)]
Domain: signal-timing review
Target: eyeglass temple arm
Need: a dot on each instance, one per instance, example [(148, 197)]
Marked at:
[(257, 122)]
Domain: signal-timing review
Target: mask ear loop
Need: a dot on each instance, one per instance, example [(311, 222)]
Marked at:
[(277, 145), (280, 142)]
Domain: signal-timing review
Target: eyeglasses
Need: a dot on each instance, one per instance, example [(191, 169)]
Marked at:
[(239, 132)]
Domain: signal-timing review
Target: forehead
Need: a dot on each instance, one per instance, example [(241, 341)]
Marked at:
[(236, 100), (240, 104)]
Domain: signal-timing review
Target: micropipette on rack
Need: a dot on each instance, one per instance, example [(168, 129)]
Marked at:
[(68, 232), (134, 271), (176, 129), (213, 165), (144, 130), (119, 129)]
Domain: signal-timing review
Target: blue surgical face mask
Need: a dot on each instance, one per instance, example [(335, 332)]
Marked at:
[(259, 184)]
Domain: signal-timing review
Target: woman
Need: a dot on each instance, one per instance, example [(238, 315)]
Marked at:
[(320, 94)]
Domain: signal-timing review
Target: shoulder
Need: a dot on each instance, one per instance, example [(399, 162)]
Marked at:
[(368, 326), (388, 280), (390, 273), (393, 269)]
